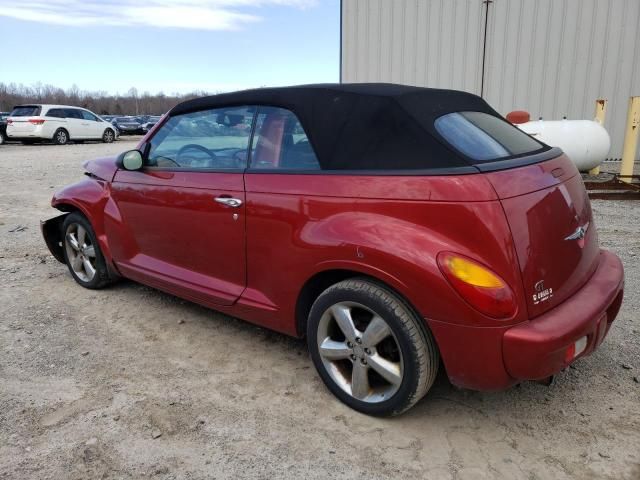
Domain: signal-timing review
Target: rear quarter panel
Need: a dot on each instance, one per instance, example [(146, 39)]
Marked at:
[(389, 227)]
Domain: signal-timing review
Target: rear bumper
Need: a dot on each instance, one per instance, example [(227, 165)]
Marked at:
[(536, 349), (25, 136), (37, 131), (495, 358)]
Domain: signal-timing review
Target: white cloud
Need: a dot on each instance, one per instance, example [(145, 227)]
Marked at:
[(187, 14)]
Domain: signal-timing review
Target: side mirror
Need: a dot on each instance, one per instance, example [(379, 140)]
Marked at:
[(131, 160)]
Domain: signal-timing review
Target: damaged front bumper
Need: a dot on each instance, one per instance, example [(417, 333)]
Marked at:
[(52, 232)]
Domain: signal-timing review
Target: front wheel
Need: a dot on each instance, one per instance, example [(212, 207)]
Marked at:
[(82, 253), (370, 349), (108, 136)]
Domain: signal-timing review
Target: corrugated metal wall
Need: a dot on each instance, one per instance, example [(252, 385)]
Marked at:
[(553, 58)]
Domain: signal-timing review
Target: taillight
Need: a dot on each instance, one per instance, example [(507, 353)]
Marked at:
[(36, 121), (479, 286), (9, 122), (575, 349)]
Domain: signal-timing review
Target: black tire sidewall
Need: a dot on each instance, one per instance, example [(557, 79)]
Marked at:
[(55, 136), (399, 401), (104, 136), (102, 275)]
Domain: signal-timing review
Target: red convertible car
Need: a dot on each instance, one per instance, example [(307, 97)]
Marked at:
[(394, 227)]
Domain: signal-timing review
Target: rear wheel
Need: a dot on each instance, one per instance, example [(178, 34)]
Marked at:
[(82, 253), (370, 349), (2, 139), (61, 137), (108, 136)]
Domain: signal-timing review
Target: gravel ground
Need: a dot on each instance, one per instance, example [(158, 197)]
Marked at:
[(132, 383)]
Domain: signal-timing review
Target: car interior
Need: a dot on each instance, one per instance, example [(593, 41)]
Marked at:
[(274, 146)]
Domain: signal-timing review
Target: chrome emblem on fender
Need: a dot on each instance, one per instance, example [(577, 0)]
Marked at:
[(580, 232)]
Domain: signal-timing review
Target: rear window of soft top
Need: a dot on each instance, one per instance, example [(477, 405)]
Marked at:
[(483, 137), (26, 111)]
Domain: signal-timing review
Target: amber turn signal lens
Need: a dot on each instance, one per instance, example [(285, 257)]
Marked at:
[(483, 289), (472, 273)]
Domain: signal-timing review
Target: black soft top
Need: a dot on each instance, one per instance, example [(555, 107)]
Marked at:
[(375, 126)]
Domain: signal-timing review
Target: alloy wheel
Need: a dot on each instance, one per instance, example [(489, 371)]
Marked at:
[(80, 252), (61, 137), (360, 352)]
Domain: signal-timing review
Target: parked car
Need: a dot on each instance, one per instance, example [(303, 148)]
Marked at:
[(394, 227), (149, 123), (108, 118), (3, 126), (127, 125), (58, 123)]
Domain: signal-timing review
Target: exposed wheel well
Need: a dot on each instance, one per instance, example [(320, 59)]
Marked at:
[(312, 289), (68, 208), (323, 280)]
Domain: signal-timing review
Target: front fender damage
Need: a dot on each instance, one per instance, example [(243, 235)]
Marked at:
[(52, 232)]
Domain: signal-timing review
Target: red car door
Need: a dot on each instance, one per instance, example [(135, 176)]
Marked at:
[(182, 226)]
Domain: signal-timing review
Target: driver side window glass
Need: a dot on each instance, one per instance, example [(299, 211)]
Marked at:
[(214, 139), (88, 116)]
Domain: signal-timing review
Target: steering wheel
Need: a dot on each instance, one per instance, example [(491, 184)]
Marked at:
[(194, 146)]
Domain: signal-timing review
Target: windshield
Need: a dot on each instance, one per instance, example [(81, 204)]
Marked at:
[(125, 119), (483, 137)]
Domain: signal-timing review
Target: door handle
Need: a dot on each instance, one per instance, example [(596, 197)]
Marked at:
[(229, 201)]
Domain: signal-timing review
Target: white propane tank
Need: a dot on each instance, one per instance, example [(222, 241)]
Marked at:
[(585, 142)]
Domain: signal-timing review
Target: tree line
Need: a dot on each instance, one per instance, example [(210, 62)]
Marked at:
[(100, 102)]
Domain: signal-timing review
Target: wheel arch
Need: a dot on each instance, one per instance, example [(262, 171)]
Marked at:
[(322, 280), (61, 128), (68, 206)]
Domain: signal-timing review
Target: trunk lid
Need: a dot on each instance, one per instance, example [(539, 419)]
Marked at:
[(549, 214)]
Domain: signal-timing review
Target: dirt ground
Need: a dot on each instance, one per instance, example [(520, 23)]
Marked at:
[(130, 383)]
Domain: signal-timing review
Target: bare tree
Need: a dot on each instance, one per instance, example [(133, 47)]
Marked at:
[(99, 101)]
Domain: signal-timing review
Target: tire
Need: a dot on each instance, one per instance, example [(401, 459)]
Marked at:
[(60, 137), (81, 248), (108, 136), (2, 138), (403, 348)]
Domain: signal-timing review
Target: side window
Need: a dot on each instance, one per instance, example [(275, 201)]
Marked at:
[(280, 142), (73, 113), (483, 137), (88, 116), (56, 113), (210, 139)]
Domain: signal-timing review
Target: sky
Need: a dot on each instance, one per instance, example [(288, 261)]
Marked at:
[(173, 46)]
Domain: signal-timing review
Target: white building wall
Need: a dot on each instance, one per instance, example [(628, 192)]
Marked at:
[(553, 58)]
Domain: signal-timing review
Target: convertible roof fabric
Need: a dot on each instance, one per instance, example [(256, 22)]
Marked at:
[(371, 126)]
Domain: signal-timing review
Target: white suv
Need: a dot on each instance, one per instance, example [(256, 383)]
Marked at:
[(59, 123)]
